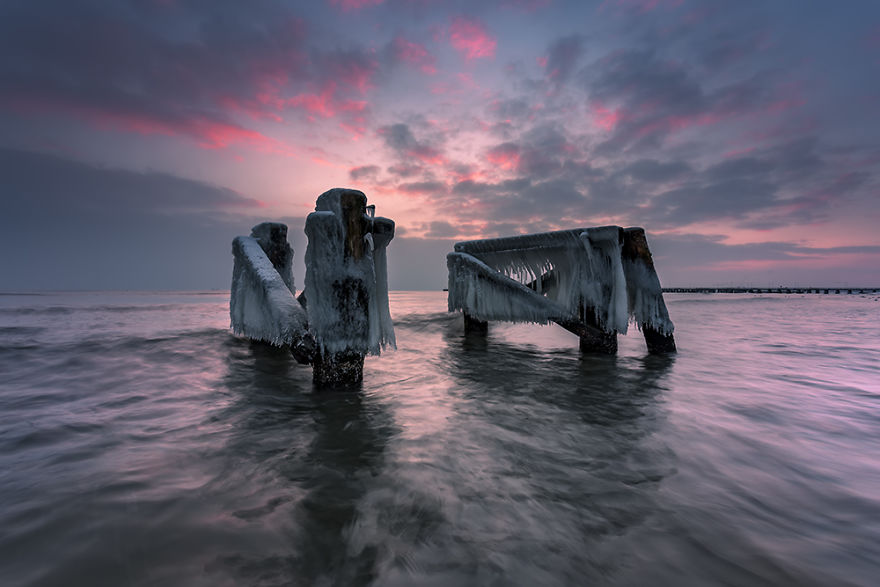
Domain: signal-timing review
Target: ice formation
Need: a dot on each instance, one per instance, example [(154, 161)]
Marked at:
[(272, 237), (262, 305), (346, 281), (556, 276)]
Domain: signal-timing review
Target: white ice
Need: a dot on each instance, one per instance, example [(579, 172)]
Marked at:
[(336, 286), (262, 305), (576, 271)]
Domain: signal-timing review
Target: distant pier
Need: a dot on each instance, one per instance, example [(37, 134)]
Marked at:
[(774, 290)]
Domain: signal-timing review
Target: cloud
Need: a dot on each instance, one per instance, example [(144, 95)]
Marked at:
[(640, 99), (441, 229), (76, 225), (42, 183), (354, 5), (149, 82), (504, 156), (225, 67), (651, 170), (563, 57), (400, 139), (414, 54), (367, 172), (471, 38), (423, 187), (694, 260)]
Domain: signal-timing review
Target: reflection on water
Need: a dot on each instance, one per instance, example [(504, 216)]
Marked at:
[(145, 445)]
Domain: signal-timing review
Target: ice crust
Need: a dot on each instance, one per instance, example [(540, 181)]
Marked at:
[(569, 273), (339, 288), (264, 233), (262, 306)]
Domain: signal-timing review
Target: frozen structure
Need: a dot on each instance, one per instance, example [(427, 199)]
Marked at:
[(343, 313), (590, 281), (262, 305), (346, 289)]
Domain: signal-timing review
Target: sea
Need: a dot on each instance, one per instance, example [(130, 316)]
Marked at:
[(141, 443)]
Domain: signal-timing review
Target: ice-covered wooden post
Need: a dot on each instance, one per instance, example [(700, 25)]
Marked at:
[(346, 288), (644, 292), (590, 281), (262, 304)]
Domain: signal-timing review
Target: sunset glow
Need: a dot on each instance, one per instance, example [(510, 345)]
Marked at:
[(729, 127)]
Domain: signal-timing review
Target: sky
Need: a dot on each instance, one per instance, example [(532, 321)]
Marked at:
[(138, 137)]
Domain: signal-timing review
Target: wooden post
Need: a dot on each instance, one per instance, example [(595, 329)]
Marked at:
[(593, 339), (350, 296), (272, 237), (474, 326), (635, 249)]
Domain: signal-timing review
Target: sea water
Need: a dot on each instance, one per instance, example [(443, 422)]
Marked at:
[(141, 443)]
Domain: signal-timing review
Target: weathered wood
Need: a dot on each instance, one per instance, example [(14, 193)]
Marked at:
[(615, 262), (262, 306), (591, 338), (350, 295), (272, 237), (635, 249), (657, 342), (345, 369), (475, 326), (354, 210)]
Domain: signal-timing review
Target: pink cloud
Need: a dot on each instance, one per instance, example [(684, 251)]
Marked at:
[(414, 54), (427, 155), (471, 38), (353, 5), (505, 156), (603, 117), (640, 6), (209, 133)]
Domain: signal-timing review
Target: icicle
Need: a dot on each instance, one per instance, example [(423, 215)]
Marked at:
[(485, 294), (605, 283), (261, 305), (579, 270), (347, 293)]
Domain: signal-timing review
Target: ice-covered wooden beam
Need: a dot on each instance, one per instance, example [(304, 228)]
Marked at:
[(644, 293), (346, 287), (591, 281), (262, 304)]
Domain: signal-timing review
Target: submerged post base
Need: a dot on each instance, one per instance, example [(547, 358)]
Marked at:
[(598, 343), (474, 326), (657, 342), (345, 368)]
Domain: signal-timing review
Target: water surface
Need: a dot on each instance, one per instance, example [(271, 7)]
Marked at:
[(142, 444)]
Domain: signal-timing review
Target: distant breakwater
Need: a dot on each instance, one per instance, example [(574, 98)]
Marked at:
[(775, 290)]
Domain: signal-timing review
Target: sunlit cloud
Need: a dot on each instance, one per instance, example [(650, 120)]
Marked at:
[(471, 38)]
